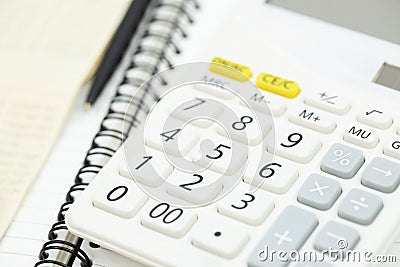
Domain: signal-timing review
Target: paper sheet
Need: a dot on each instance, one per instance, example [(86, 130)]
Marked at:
[(47, 50), (28, 231)]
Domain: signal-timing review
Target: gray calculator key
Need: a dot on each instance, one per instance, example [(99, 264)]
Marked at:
[(342, 161), (313, 264), (336, 236), (292, 228), (382, 175), (360, 207), (319, 192)]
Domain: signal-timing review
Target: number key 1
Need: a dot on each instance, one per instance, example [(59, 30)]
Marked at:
[(148, 167)]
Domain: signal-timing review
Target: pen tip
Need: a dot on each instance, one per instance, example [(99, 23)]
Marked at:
[(88, 106)]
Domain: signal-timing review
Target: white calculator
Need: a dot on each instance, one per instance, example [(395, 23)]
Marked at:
[(327, 185)]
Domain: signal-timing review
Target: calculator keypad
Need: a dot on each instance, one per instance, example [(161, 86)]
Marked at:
[(223, 149)]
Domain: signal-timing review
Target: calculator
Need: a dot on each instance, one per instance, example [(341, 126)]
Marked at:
[(243, 169)]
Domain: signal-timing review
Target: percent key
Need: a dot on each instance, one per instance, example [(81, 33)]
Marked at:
[(342, 161)]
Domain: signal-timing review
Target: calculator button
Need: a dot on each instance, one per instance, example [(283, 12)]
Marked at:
[(248, 207), (276, 176), (175, 138), (391, 147), (167, 219), (336, 236), (215, 90), (288, 233), (342, 161), (329, 102), (219, 237), (297, 145), (230, 69), (276, 108), (277, 85), (262, 103), (382, 175), (375, 118), (150, 168), (243, 126), (119, 196), (319, 192), (361, 136), (313, 120), (197, 188), (223, 156), (195, 108), (360, 207)]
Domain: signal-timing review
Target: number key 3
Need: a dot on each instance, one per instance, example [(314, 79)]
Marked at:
[(248, 207)]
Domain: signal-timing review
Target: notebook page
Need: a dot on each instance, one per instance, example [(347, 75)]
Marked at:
[(28, 231), (47, 51)]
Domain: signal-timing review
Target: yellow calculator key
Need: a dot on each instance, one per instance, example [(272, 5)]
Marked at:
[(277, 85), (227, 68)]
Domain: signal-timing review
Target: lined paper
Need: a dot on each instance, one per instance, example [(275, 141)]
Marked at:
[(47, 51), (21, 244)]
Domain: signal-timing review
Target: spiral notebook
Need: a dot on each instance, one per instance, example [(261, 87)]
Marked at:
[(160, 42)]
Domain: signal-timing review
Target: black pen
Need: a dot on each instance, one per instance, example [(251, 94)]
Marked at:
[(116, 49)]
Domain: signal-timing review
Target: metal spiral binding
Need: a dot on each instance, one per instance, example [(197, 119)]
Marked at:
[(99, 152)]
